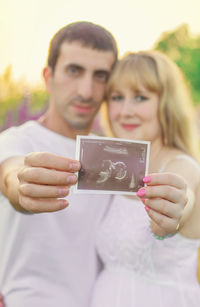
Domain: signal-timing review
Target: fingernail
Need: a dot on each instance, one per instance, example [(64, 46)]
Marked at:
[(147, 179), (141, 192), (63, 204), (74, 166), (61, 192), (147, 208), (143, 200), (71, 179), (1, 305)]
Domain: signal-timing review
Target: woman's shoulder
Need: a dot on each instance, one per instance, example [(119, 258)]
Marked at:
[(183, 165), (186, 159)]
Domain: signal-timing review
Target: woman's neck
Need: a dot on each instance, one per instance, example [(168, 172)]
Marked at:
[(157, 153)]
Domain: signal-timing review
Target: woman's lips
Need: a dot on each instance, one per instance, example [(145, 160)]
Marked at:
[(129, 127)]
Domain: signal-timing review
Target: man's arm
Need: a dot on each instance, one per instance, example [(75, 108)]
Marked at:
[(1, 301), (8, 179), (38, 182)]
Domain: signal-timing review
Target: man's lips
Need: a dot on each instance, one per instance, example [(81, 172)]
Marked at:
[(84, 109), (129, 127)]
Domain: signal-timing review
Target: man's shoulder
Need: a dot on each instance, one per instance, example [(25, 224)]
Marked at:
[(32, 136), (17, 140), (19, 129)]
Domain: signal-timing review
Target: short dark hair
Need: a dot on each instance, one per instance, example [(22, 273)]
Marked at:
[(87, 33)]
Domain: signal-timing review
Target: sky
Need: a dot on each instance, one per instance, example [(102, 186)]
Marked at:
[(26, 26)]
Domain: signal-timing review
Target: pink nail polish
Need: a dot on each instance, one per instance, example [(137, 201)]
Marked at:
[(147, 179), (147, 208), (143, 200), (141, 192)]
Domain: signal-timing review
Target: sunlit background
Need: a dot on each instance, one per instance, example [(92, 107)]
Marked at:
[(26, 27)]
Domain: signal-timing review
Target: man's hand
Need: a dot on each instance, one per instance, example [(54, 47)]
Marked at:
[(42, 182)]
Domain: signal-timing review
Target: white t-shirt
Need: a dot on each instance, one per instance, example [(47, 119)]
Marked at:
[(47, 259)]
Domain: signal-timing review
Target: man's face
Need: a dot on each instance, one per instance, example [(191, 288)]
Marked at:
[(78, 82)]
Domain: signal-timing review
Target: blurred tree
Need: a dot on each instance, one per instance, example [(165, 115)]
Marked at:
[(19, 101), (9, 87), (184, 49)]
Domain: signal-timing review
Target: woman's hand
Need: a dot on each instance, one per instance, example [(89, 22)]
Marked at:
[(164, 197)]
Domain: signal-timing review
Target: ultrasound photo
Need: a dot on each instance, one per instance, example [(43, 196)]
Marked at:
[(111, 165)]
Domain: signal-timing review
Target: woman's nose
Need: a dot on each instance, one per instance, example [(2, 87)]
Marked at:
[(127, 108)]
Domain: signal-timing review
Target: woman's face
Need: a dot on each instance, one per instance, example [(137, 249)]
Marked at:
[(134, 115)]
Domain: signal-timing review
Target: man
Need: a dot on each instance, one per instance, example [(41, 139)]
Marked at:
[(49, 259)]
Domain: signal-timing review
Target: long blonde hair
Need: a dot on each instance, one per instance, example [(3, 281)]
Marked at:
[(159, 74)]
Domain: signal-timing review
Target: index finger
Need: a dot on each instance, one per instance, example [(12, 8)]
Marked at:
[(51, 161), (170, 179)]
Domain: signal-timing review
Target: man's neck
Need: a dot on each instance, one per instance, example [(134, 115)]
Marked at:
[(62, 128)]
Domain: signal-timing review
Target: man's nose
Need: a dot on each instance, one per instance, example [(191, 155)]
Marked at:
[(85, 88)]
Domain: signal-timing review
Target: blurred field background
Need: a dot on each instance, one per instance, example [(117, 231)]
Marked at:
[(21, 101), (26, 27)]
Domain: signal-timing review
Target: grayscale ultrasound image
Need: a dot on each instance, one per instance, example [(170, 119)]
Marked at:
[(111, 165)]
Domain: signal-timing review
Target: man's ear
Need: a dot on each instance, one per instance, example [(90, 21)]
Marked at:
[(47, 75)]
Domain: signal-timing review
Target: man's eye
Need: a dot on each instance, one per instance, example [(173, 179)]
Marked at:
[(140, 98), (101, 77), (73, 71)]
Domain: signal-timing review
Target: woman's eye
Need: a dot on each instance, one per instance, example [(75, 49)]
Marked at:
[(140, 98), (116, 97)]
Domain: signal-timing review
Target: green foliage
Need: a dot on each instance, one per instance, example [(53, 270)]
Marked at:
[(16, 94), (9, 87), (184, 49), (38, 99), (179, 45), (11, 103)]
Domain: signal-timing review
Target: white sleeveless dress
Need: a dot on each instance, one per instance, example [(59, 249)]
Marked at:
[(140, 270)]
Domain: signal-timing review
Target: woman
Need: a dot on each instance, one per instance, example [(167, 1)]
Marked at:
[(150, 258)]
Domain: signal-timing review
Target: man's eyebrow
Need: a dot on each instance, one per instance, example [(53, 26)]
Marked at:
[(102, 71), (77, 66)]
